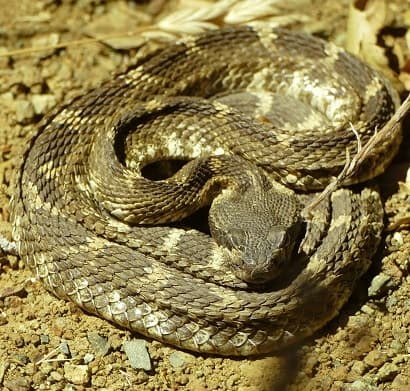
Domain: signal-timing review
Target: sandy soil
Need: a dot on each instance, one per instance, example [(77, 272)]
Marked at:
[(48, 344)]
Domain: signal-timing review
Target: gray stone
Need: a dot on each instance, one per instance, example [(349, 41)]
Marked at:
[(137, 354), (99, 344), (64, 348), (88, 357), (179, 359), (378, 284)]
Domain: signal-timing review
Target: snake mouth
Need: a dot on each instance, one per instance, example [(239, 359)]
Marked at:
[(265, 269)]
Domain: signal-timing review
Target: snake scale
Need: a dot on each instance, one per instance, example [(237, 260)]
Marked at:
[(244, 124)]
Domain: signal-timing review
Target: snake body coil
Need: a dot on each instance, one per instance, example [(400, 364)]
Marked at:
[(257, 116)]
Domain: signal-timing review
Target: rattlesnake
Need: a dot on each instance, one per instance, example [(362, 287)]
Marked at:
[(261, 118)]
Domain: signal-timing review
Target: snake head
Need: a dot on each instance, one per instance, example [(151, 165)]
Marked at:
[(259, 227), (264, 256)]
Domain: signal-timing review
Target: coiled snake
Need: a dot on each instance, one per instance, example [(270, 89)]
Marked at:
[(261, 118)]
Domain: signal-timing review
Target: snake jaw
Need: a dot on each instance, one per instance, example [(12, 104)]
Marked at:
[(259, 268)]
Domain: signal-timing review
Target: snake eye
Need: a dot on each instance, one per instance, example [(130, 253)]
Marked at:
[(278, 238)]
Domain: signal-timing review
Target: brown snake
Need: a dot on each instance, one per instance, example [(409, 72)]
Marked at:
[(257, 116)]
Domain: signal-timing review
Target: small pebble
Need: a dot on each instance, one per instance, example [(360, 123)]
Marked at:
[(387, 372), (46, 368), (44, 339), (4, 60), (137, 354), (375, 358), (99, 344), (8, 246), (3, 318), (24, 110), (88, 357), (45, 40), (42, 103), (22, 359), (56, 376), (358, 368), (77, 374), (65, 349), (397, 346), (177, 359), (367, 310), (18, 384), (391, 302), (398, 238), (378, 284)]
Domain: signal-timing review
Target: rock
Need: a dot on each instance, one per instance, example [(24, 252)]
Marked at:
[(378, 284), (99, 344), (137, 354), (401, 382), (179, 359), (42, 103), (18, 384), (48, 40), (375, 358), (65, 349), (46, 368), (360, 385), (367, 310), (397, 346), (24, 110), (7, 246), (387, 372), (3, 318), (88, 357), (358, 368), (56, 376), (77, 374)]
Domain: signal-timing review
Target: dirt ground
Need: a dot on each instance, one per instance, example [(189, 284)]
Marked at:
[(49, 344)]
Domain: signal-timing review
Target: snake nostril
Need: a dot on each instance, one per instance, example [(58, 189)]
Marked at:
[(162, 169)]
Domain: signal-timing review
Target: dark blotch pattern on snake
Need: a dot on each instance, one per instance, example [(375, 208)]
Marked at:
[(263, 119)]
